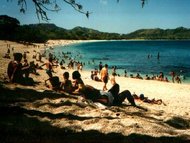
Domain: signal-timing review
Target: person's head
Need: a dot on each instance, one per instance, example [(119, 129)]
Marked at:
[(141, 96), (66, 75), (106, 65), (76, 75), (17, 56)]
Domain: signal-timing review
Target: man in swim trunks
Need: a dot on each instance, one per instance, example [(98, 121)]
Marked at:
[(104, 76)]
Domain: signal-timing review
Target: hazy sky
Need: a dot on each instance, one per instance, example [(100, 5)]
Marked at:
[(110, 16)]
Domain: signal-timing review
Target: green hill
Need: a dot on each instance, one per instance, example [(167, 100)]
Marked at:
[(179, 33), (10, 29)]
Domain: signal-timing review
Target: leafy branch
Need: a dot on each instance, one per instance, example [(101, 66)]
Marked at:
[(43, 6)]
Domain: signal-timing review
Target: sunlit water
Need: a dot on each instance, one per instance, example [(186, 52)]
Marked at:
[(134, 56)]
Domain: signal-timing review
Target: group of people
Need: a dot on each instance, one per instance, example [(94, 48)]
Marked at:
[(18, 73), (77, 87)]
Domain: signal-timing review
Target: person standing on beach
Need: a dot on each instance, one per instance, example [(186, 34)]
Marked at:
[(158, 55), (172, 73), (125, 75), (100, 67), (49, 68), (104, 76)]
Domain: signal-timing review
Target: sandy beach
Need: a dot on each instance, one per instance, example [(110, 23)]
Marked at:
[(169, 121)]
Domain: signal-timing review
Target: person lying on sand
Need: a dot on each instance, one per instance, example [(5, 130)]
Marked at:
[(110, 97), (145, 99)]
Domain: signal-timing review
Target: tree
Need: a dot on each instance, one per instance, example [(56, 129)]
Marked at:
[(42, 6), (8, 26)]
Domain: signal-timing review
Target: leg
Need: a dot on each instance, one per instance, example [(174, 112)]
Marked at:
[(126, 94)]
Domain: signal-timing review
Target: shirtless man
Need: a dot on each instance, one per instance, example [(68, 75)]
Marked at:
[(104, 76)]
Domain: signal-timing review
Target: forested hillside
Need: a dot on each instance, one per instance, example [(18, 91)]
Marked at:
[(10, 29)]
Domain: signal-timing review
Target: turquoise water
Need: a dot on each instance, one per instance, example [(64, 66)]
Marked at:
[(133, 56)]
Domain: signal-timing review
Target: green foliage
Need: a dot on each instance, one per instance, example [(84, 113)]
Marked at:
[(180, 33), (10, 29), (8, 26)]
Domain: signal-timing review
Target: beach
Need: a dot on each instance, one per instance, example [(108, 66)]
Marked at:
[(153, 121)]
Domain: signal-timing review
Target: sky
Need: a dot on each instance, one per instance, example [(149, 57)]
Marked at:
[(108, 15)]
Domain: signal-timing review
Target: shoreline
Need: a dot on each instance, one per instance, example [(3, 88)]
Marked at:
[(120, 71)]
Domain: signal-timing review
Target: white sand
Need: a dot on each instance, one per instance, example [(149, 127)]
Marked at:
[(175, 96)]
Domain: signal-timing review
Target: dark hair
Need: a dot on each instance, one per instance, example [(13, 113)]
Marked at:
[(17, 56), (66, 75), (141, 96), (106, 65), (76, 75)]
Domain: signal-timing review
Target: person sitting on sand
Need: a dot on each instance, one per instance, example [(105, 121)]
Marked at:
[(15, 69), (147, 77), (78, 84), (161, 76), (138, 76), (94, 76), (7, 55), (54, 83), (66, 85), (26, 68), (104, 76)]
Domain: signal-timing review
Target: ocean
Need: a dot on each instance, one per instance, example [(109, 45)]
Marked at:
[(143, 57)]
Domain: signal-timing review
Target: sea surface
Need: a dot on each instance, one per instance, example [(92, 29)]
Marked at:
[(143, 57)]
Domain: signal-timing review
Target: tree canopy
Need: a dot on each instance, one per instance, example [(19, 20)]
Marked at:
[(43, 6)]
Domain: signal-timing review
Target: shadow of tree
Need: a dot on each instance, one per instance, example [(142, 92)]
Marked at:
[(19, 125), (28, 95)]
